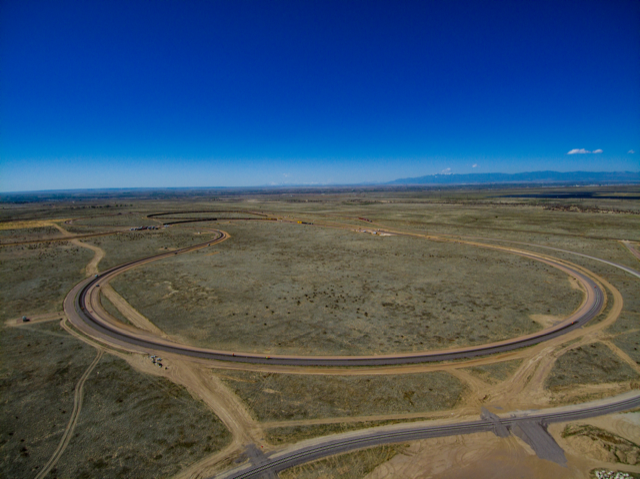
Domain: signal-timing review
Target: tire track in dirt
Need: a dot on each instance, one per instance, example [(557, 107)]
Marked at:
[(631, 248), (73, 420)]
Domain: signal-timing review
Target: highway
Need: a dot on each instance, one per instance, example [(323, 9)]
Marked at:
[(81, 313), (341, 443)]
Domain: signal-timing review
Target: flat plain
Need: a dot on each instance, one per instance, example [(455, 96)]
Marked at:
[(326, 288), (281, 288)]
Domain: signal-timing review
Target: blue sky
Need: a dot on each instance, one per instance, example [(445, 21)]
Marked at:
[(238, 93)]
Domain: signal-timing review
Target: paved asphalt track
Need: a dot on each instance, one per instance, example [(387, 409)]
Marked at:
[(342, 443), (79, 310)]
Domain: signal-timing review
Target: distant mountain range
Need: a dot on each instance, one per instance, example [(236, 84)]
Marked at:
[(571, 177)]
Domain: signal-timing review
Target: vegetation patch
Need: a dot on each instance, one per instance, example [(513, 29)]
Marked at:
[(293, 434), (354, 465), (133, 245), (35, 278), (297, 289), (619, 449), (496, 372), (592, 364), (40, 365), (137, 425), (277, 397)]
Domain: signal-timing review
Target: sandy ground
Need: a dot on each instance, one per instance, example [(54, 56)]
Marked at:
[(484, 456)]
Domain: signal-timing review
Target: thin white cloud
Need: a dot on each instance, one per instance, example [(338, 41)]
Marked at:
[(597, 151), (475, 165), (578, 151), (446, 171), (631, 152)]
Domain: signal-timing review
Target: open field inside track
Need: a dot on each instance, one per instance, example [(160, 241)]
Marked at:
[(278, 397), (281, 288)]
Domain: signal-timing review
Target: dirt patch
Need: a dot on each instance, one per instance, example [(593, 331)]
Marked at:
[(545, 320), (480, 455)]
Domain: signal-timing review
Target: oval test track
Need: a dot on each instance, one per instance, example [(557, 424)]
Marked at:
[(78, 308)]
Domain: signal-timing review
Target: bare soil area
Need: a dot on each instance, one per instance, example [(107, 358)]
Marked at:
[(280, 288)]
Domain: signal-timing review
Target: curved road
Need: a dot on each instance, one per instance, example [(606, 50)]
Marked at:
[(81, 313)]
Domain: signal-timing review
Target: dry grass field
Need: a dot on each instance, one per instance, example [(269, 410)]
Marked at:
[(136, 425), (354, 465), (496, 372), (35, 278), (131, 424), (321, 289), (592, 364), (40, 365), (132, 245), (277, 397), (281, 288)]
